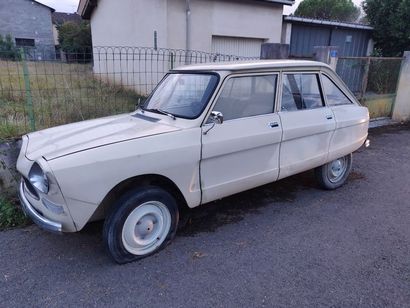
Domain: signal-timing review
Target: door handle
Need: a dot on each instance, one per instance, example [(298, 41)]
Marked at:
[(274, 124), (329, 117)]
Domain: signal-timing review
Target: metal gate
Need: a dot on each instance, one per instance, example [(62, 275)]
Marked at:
[(238, 46)]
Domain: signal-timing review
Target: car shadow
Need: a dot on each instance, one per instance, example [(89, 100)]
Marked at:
[(209, 217)]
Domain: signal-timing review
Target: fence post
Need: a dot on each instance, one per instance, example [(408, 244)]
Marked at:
[(401, 110), (172, 60), (29, 99), (365, 78)]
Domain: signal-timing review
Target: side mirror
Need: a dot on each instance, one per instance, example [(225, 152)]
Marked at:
[(140, 101), (217, 117)]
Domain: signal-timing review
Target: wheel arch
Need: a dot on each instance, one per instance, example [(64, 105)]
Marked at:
[(138, 181)]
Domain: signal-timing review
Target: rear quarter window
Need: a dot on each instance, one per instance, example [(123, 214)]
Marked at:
[(334, 96)]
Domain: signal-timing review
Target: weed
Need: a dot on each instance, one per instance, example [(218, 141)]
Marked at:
[(10, 214), (61, 93)]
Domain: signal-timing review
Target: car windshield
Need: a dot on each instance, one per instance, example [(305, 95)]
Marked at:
[(182, 95)]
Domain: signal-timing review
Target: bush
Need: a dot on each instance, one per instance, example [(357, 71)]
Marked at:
[(75, 40), (8, 51)]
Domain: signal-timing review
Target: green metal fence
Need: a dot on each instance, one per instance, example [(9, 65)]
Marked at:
[(36, 93), (373, 80)]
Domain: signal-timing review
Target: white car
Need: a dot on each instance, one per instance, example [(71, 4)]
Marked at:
[(206, 132)]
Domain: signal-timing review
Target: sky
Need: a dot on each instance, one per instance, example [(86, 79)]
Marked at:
[(70, 6), (67, 6)]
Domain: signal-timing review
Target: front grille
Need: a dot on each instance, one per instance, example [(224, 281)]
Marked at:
[(31, 190)]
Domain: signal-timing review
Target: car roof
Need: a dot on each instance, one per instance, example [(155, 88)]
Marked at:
[(251, 65)]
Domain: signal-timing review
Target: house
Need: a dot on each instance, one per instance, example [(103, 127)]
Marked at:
[(303, 34), (236, 27), (29, 24), (175, 32)]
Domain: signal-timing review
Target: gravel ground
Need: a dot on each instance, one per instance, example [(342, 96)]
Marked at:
[(285, 244)]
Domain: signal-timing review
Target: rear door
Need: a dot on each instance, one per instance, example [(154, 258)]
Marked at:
[(308, 125), (352, 120), (243, 151)]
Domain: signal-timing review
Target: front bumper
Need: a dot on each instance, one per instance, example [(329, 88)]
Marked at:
[(37, 218)]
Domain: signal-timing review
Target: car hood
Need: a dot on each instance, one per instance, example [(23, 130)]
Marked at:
[(67, 139)]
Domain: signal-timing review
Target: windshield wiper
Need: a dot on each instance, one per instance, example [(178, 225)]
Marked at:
[(157, 110)]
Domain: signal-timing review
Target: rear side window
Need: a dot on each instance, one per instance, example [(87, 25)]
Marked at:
[(301, 91), (247, 96), (334, 95)]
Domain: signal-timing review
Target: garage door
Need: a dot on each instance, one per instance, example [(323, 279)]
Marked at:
[(244, 47)]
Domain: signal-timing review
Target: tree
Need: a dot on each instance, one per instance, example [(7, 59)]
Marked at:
[(75, 39), (8, 50), (391, 22), (341, 10)]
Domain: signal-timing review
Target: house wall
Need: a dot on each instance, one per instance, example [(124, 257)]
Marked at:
[(27, 19), (134, 22), (56, 36)]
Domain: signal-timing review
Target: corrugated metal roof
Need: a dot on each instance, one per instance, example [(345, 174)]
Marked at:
[(333, 23)]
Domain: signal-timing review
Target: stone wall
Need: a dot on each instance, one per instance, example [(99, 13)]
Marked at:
[(9, 177)]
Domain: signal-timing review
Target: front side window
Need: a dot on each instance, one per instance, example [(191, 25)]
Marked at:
[(182, 95), (301, 91), (334, 95), (247, 96)]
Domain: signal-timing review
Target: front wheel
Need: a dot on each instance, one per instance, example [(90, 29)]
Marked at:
[(141, 223), (334, 174)]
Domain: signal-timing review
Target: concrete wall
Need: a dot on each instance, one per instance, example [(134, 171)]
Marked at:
[(133, 22), (401, 110), (27, 19)]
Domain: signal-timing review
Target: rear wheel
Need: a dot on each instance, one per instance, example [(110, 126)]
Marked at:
[(141, 223), (334, 174)]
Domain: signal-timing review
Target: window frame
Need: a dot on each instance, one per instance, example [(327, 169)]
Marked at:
[(218, 80), (298, 72), (347, 95), (24, 39), (245, 74)]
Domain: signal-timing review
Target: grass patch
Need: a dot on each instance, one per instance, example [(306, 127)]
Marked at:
[(61, 93), (11, 215)]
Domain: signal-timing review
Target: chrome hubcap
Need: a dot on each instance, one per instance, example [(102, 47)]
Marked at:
[(146, 228), (337, 169)]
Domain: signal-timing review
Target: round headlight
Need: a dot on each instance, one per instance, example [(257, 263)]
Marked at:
[(38, 178)]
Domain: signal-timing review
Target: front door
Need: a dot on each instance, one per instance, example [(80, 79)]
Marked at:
[(243, 151), (308, 125)]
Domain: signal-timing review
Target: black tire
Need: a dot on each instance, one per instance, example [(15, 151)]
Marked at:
[(324, 174), (115, 220)]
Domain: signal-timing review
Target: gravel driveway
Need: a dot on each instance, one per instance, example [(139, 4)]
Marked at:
[(284, 244)]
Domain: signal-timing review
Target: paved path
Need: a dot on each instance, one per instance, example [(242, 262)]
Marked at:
[(285, 244)]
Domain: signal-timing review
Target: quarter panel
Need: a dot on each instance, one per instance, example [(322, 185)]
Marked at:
[(352, 124)]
